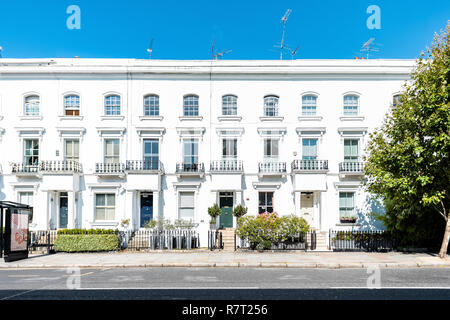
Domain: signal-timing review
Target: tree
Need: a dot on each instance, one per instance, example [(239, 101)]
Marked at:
[(408, 157)]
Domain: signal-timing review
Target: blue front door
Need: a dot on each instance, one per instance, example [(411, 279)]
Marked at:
[(146, 208)]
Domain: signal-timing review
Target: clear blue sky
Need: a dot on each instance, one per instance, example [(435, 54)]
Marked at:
[(186, 29)]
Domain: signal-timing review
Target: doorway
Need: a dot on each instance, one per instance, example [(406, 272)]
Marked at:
[(226, 206), (307, 206), (63, 210), (146, 208)]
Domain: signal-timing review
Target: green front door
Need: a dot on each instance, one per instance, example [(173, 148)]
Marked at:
[(226, 205)]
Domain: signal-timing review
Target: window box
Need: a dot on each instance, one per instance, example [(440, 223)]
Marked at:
[(347, 219)]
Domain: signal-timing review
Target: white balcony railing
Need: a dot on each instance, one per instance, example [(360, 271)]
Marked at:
[(309, 165), (354, 167), (230, 165), (272, 167), (109, 168)]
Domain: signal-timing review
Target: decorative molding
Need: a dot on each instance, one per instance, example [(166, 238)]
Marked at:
[(30, 117), (190, 132), (105, 117), (271, 119), (230, 132), (75, 118), (111, 131), (151, 118), (352, 118), (272, 132), (229, 118), (352, 131), (310, 118), (150, 132), (266, 185), (30, 131), (310, 131), (190, 118), (71, 131)]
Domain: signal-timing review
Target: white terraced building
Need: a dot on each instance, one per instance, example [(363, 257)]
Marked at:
[(90, 142)]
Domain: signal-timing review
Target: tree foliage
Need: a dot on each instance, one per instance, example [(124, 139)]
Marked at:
[(408, 157)]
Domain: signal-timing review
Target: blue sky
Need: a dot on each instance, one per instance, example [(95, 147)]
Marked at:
[(186, 29)]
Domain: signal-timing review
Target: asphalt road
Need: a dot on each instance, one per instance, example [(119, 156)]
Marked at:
[(224, 284)]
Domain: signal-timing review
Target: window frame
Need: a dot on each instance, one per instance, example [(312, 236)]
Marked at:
[(105, 206), (349, 157), (346, 207), (71, 108), (271, 110), (226, 109), (264, 207), (309, 114), (105, 156), (105, 106), (191, 110), (271, 157), (347, 106), (181, 207), (317, 148), (27, 104), (65, 149), (229, 144), (32, 155), (151, 110)]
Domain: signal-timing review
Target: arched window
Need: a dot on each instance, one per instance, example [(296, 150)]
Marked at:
[(190, 106), (151, 105), (351, 103), (270, 106), (72, 105), (396, 100), (112, 105), (309, 105), (229, 105), (32, 104)]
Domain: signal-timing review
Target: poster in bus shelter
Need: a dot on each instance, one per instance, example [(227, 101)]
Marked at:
[(19, 230)]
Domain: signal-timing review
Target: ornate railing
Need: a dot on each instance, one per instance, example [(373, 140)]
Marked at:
[(309, 165), (24, 168), (351, 166), (109, 168), (272, 167), (231, 165), (144, 165), (190, 168), (60, 166)]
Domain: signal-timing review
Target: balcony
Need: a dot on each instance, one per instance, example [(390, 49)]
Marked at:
[(144, 166), (190, 169), (25, 170), (271, 168), (110, 169), (60, 166), (313, 166), (353, 168), (226, 166)]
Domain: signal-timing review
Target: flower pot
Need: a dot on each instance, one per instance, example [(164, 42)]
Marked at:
[(212, 226)]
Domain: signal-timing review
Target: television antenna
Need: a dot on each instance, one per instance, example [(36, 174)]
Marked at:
[(294, 52), (369, 47), (149, 50), (284, 19), (216, 55)]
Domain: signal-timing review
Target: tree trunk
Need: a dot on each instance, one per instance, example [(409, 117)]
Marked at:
[(443, 252)]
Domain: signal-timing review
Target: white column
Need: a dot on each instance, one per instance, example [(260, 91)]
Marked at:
[(128, 213), (297, 202), (238, 197), (156, 206), (70, 209)]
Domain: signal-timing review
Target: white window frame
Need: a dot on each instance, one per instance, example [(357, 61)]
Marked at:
[(276, 107), (157, 114), (188, 114), (29, 95), (95, 206), (233, 108)]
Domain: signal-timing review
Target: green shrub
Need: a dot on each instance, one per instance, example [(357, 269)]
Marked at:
[(86, 242), (214, 212), (239, 211), (266, 229), (87, 231)]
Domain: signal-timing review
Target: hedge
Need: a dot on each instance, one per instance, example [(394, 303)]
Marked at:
[(87, 231), (86, 242)]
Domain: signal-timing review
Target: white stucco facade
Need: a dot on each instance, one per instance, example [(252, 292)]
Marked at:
[(289, 155)]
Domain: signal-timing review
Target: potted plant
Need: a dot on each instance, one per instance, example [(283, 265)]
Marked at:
[(239, 211), (124, 223), (214, 212)]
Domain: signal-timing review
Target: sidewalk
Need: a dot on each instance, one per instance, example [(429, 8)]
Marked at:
[(205, 258)]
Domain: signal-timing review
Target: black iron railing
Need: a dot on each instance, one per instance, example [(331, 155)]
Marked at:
[(299, 241), (362, 241), (159, 239), (215, 240)]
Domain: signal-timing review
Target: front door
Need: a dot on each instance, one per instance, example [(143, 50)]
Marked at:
[(306, 207), (226, 206), (146, 208), (63, 209)]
